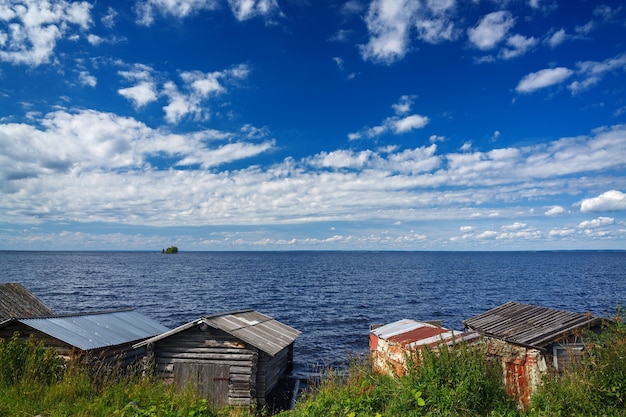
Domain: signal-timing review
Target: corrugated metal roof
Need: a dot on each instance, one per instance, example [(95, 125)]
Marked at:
[(257, 329), (95, 330), (529, 325), (418, 333), (17, 301)]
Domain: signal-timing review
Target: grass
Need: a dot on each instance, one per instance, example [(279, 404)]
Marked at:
[(456, 382)]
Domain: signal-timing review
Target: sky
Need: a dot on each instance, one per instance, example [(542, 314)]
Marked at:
[(312, 125)]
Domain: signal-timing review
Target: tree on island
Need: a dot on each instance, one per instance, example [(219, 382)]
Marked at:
[(171, 249)]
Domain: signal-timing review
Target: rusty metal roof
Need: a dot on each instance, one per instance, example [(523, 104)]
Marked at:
[(529, 325), (17, 301), (94, 330), (417, 333), (254, 328)]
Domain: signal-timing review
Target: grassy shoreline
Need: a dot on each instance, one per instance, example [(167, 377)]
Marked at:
[(457, 382)]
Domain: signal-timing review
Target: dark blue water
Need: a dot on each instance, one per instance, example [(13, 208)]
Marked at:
[(332, 297)]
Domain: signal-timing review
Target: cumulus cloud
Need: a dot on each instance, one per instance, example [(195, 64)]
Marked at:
[(87, 79), (555, 211), (242, 9), (35, 27), (597, 222), (517, 45), (388, 23), (94, 166), (391, 24), (248, 9), (491, 29), (435, 21), (140, 94), (398, 124), (146, 10), (87, 141), (189, 98), (612, 200), (542, 79)]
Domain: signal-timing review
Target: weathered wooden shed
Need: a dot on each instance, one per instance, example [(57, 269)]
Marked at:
[(393, 345), (104, 337), (531, 340), (233, 358), (17, 301)]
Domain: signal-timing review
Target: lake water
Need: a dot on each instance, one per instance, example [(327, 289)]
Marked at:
[(332, 297)]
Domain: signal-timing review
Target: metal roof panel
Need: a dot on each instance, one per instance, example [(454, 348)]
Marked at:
[(97, 330)]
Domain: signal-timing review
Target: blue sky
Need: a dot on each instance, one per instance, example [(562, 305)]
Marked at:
[(305, 125)]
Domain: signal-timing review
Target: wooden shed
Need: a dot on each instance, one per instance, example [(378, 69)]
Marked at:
[(17, 301), (393, 345), (104, 337), (233, 358), (530, 340)]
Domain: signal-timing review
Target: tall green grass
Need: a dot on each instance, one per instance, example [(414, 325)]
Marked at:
[(594, 386), (36, 381), (452, 382), (462, 382)]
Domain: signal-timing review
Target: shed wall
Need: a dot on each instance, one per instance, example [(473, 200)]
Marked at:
[(208, 346), (522, 368)]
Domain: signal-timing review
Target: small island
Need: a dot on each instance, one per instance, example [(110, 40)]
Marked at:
[(170, 250)]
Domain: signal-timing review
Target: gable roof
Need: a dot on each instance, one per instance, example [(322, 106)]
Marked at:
[(94, 330), (254, 328), (529, 325), (17, 301)]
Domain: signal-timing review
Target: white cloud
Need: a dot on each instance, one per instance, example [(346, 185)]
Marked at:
[(555, 211), (94, 39), (408, 123), (435, 21), (403, 106), (597, 222), (35, 27), (93, 166), (388, 23), (108, 20), (491, 29), (248, 9), (188, 99), (395, 124), (612, 200), (557, 38), (87, 79), (515, 226), (436, 138), (177, 8), (242, 9), (563, 232), (88, 141), (487, 234), (141, 94), (592, 72), (180, 105), (542, 79), (517, 45)]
